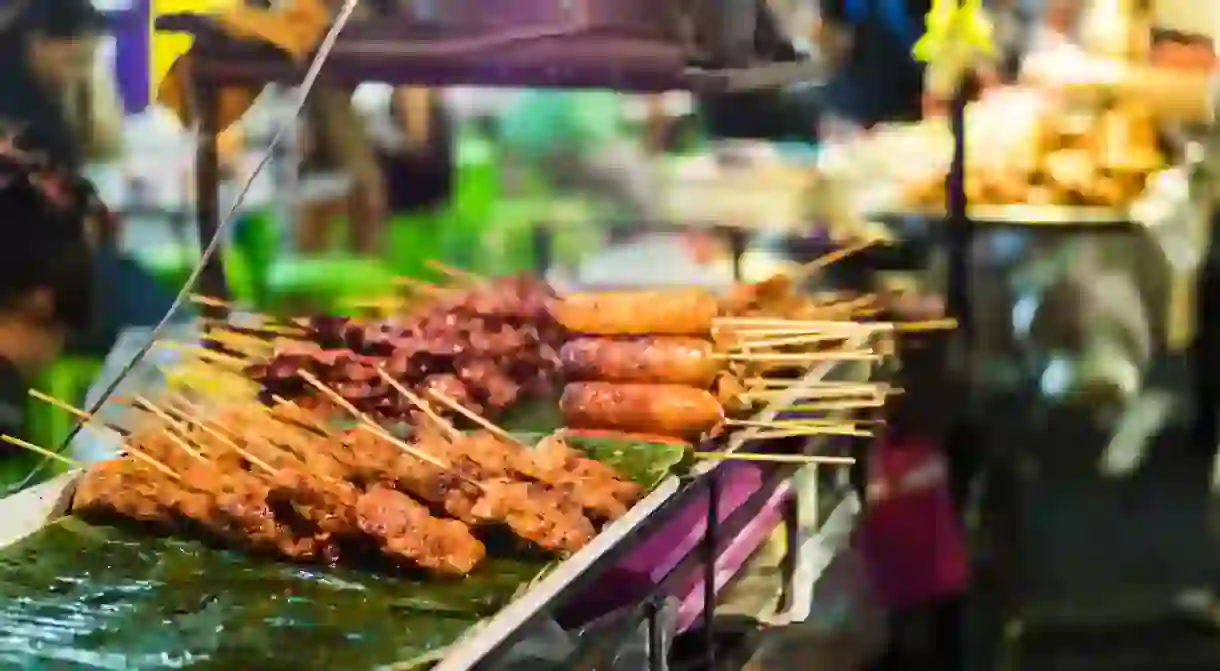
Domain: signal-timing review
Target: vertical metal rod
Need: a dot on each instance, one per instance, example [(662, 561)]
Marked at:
[(792, 542), (1207, 345), (207, 187), (739, 240), (960, 230), (656, 644), (709, 566)]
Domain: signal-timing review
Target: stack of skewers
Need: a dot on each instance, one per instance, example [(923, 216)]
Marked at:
[(274, 480), (487, 344), (681, 364)]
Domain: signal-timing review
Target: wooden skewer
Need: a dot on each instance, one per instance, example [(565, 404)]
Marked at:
[(199, 299), (419, 285), (775, 458), (465, 276), (203, 424), (780, 435), (784, 432), (823, 390), (857, 303), (205, 354), (36, 449), (830, 297), (382, 306), (810, 325), (248, 347), (788, 341), (929, 325), (334, 396), (830, 406), (210, 301), (173, 426), (366, 421), (227, 337), (820, 392), (852, 330), (72, 463), (802, 357), (302, 421), (226, 441), (413, 451), (72, 410), (264, 326), (844, 310), (474, 417), (148, 459), (93, 420), (420, 403), (797, 425), (828, 259)]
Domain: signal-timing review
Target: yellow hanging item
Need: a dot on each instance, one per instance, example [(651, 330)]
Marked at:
[(958, 36)]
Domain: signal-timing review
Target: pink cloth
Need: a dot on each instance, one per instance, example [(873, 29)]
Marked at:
[(910, 538)]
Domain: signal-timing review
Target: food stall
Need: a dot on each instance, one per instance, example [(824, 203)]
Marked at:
[(649, 554), (236, 421)]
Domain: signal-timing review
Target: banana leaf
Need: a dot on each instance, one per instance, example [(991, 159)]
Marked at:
[(79, 596)]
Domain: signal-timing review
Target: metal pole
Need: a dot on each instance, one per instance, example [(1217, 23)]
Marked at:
[(1207, 331), (959, 228), (207, 186)]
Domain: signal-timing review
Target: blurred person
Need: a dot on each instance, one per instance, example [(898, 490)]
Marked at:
[(399, 157), (574, 142), (415, 148), (868, 43), (909, 537), (51, 88), (911, 532), (395, 144), (45, 280), (335, 138), (65, 112)]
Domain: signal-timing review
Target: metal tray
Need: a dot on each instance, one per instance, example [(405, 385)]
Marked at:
[(499, 632), (1026, 216)]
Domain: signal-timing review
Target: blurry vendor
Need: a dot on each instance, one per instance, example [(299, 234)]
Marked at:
[(49, 88), (44, 280), (51, 94), (869, 43), (575, 142)]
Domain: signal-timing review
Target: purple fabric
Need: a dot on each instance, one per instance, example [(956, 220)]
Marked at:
[(132, 54), (733, 559), (910, 537), (663, 549)]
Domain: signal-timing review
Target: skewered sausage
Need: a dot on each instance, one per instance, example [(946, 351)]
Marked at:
[(663, 409), (662, 312), (685, 361)]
